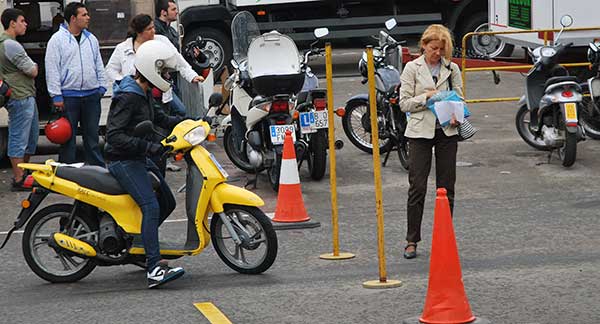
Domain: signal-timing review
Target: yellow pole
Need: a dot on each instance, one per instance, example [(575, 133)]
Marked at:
[(336, 255), (383, 282)]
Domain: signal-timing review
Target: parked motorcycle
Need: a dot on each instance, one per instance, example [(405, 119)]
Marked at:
[(356, 120), (267, 74), (548, 114), (590, 110), (65, 242), (312, 120)]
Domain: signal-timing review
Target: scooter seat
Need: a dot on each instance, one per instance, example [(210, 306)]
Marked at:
[(97, 178), (558, 79)]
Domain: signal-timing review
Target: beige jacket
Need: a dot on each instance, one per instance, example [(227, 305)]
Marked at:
[(416, 81)]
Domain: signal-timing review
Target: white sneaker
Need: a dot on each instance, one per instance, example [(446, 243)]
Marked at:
[(173, 167), (162, 273)]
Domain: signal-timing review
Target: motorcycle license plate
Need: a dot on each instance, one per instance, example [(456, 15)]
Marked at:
[(223, 172), (571, 112), (307, 122), (321, 119), (278, 133)]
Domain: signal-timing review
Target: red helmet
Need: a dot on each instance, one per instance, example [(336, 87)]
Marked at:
[(58, 131)]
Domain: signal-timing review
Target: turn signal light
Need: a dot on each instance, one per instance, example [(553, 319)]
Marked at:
[(211, 137), (340, 112), (567, 94), (178, 156), (296, 115), (25, 204)]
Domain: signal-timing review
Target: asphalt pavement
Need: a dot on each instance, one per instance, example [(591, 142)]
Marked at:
[(526, 228)]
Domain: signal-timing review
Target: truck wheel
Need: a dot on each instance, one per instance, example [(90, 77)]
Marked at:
[(218, 46), (487, 45), (3, 143)]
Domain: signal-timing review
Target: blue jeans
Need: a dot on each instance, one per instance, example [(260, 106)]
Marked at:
[(85, 111), (133, 177), (177, 106), (23, 127)]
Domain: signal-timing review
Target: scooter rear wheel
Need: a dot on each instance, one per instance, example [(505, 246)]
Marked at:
[(237, 157), (258, 248), (51, 264)]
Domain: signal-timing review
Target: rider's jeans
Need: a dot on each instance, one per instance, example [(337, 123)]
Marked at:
[(133, 177)]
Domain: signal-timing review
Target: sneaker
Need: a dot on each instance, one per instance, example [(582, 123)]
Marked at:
[(173, 167), (162, 273)]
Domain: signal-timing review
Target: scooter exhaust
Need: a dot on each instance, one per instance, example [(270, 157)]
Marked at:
[(72, 244)]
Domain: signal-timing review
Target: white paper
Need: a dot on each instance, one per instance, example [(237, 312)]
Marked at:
[(445, 109)]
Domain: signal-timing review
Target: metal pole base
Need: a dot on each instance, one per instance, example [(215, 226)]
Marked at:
[(377, 284), (340, 256), (415, 320)]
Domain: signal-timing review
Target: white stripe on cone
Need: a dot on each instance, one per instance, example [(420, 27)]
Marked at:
[(289, 172)]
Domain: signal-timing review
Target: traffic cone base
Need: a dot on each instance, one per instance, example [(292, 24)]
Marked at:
[(415, 320), (290, 211)]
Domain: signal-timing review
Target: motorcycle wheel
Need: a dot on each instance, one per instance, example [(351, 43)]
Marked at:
[(403, 153), (274, 171), (318, 150), (522, 123), (52, 264), (590, 123), (568, 151), (238, 158), (352, 121), (258, 248)]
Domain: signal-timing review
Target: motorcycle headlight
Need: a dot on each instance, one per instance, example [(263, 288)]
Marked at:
[(196, 135)]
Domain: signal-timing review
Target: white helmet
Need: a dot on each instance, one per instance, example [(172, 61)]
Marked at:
[(152, 59)]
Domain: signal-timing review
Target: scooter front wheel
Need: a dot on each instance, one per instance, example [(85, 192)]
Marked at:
[(523, 128), (258, 248)]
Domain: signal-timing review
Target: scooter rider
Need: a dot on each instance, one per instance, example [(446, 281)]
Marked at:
[(127, 155)]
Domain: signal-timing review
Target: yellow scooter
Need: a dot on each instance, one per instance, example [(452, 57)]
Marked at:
[(65, 242)]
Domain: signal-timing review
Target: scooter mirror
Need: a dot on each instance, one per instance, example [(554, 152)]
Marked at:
[(234, 64), (215, 100), (566, 21), (390, 23), (321, 32), (143, 128)]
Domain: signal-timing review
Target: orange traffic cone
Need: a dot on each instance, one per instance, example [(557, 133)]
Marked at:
[(446, 301), (290, 206)]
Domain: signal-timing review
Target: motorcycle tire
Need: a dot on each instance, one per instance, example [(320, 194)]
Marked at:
[(568, 152), (522, 124), (352, 122), (318, 150), (34, 243), (589, 121), (403, 153), (258, 237), (238, 158), (274, 171)]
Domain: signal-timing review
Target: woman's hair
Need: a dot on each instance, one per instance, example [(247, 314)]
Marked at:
[(440, 33), (138, 24)]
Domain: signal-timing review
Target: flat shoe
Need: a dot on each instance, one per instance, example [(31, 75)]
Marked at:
[(410, 255)]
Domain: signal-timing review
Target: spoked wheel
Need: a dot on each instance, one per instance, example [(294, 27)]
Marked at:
[(237, 156), (568, 151), (258, 248), (48, 263), (523, 128), (357, 127)]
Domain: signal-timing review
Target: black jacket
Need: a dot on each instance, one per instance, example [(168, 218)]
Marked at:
[(162, 28), (130, 106)]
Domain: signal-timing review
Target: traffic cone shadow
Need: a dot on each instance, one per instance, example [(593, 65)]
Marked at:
[(446, 301), (290, 212)]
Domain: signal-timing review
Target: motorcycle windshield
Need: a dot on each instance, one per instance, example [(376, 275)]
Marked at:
[(244, 30), (273, 54)]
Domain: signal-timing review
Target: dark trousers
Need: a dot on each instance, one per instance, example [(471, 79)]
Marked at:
[(133, 176), (85, 111), (419, 159)]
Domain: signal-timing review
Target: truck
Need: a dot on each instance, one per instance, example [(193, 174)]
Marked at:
[(345, 19)]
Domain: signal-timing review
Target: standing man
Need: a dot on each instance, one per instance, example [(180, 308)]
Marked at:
[(76, 81), (19, 71), (166, 13)]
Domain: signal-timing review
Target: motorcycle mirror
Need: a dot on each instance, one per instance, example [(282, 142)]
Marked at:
[(215, 100), (321, 32), (234, 64), (566, 21), (390, 23), (143, 128)]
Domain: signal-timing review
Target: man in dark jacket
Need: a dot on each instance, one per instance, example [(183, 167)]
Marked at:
[(166, 13), (128, 156)]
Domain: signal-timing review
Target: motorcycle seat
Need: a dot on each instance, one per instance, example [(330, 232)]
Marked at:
[(97, 178), (558, 79)]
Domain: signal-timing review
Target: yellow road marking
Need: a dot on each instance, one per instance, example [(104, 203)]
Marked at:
[(212, 313)]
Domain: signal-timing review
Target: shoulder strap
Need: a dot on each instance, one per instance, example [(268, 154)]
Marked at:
[(449, 67)]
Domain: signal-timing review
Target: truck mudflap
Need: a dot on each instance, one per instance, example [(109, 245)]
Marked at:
[(29, 206)]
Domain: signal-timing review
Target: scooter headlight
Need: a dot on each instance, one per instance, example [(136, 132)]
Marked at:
[(196, 135)]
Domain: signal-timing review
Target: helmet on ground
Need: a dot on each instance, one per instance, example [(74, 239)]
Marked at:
[(4, 92), (152, 59), (58, 131)]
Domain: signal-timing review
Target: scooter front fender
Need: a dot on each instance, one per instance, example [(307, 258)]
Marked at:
[(227, 194)]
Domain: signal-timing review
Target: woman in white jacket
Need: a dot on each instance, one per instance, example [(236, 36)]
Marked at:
[(120, 63)]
